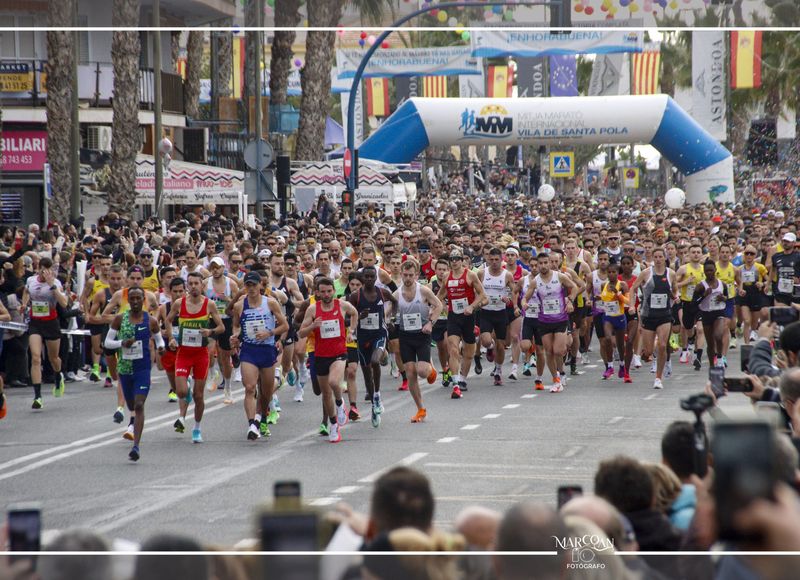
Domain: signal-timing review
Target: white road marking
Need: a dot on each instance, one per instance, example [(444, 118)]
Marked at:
[(406, 461), (346, 489), (491, 416), (511, 406), (615, 420), (447, 439), (590, 366), (323, 501), (529, 396), (650, 397), (469, 427), (573, 451)]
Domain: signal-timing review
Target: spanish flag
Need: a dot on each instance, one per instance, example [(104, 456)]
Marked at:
[(746, 59), (377, 97), (435, 87), (645, 72), (500, 82)]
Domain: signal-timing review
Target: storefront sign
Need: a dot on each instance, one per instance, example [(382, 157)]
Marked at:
[(189, 183), (15, 77), (24, 150)]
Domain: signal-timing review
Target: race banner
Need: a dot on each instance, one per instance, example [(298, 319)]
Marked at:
[(708, 82), (499, 43), (407, 62), (610, 76), (532, 77), (359, 116)]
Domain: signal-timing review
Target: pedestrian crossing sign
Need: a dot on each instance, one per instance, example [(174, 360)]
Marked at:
[(562, 164)]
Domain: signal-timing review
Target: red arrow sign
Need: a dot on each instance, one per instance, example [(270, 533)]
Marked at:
[(348, 163)]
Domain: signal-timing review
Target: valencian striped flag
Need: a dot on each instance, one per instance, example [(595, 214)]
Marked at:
[(500, 82), (377, 97), (435, 87), (746, 59), (645, 72)]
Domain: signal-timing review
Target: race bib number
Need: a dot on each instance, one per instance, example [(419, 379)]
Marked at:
[(690, 290), (611, 308), (717, 302), (133, 352), (460, 305), (191, 337), (731, 290), (658, 301), (40, 309), (532, 311), (412, 321), (330, 329), (785, 285), (221, 306), (452, 283), (749, 277), (552, 306), (495, 301), (370, 322), (253, 327)]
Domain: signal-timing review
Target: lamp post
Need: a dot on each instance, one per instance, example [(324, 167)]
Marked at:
[(563, 7)]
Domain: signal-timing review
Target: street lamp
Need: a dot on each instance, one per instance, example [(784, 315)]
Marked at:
[(563, 7)]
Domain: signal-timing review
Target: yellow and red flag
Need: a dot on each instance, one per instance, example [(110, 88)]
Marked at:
[(377, 97), (435, 86), (746, 59), (645, 72), (500, 81)]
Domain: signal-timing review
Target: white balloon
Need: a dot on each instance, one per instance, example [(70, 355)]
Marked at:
[(165, 146), (675, 198), (546, 192)]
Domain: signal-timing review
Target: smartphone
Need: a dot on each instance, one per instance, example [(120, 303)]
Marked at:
[(567, 492), (738, 384), (290, 532), (716, 376), (24, 530), (772, 414), (744, 470), (782, 315), (286, 495), (94, 229), (744, 356)]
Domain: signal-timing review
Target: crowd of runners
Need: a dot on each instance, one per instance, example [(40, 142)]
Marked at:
[(532, 290)]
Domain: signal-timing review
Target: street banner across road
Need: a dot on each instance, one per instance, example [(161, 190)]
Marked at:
[(409, 62), (499, 43), (561, 122)]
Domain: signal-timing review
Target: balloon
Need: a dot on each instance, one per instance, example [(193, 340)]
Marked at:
[(634, 7), (459, 30), (648, 5), (624, 3), (298, 63), (371, 39), (673, 5), (546, 193), (361, 42), (165, 146), (579, 8), (442, 16), (497, 9), (589, 11), (271, 3), (675, 198), (340, 32), (508, 16), (465, 35), (435, 12), (363, 35), (452, 21), (384, 44)]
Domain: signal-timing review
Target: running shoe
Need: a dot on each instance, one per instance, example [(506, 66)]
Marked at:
[(172, 397), (557, 386), (213, 384), (252, 432), (291, 378), (272, 417), (197, 436), (58, 388), (573, 368), (323, 429), (463, 386), (128, 433), (657, 384), (478, 365), (3, 407), (447, 378), (456, 394), (684, 357), (335, 435), (94, 376), (298, 393), (432, 375), (353, 414), (395, 371), (384, 359), (375, 417), (278, 378), (674, 341), (134, 454), (420, 416), (498, 381), (621, 372), (526, 370), (608, 373), (37, 403), (276, 404), (228, 396), (490, 354), (733, 342), (376, 402), (403, 385), (119, 415), (637, 361), (653, 367), (513, 374), (70, 377), (108, 383), (367, 398), (753, 336), (724, 362), (341, 415), (668, 369), (538, 385), (179, 425), (237, 375), (697, 363), (627, 378)]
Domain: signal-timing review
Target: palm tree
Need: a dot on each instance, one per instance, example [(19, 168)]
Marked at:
[(225, 64), (174, 49), (126, 139), (194, 65), (59, 106), (287, 14)]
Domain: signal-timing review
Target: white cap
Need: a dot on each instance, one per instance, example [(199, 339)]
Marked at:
[(218, 261), (559, 224), (265, 253), (579, 226), (714, 230), (778, 214), (789, 237)]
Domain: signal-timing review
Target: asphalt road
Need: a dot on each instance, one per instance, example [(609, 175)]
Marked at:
[(494, 447)]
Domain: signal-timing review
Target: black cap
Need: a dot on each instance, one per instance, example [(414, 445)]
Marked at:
[(253, 277), (424, 246)]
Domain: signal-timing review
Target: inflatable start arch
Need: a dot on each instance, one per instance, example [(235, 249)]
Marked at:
[(653, 119)]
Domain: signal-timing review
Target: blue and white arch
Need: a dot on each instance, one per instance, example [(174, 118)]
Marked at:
[(653, 119)]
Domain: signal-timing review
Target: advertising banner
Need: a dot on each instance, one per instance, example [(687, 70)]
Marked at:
[(708, 82), (409, 62), (499, 43), (24, 150)]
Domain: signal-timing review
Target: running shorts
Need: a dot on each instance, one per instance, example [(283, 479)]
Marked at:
[(415, 347), (192, 361)]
